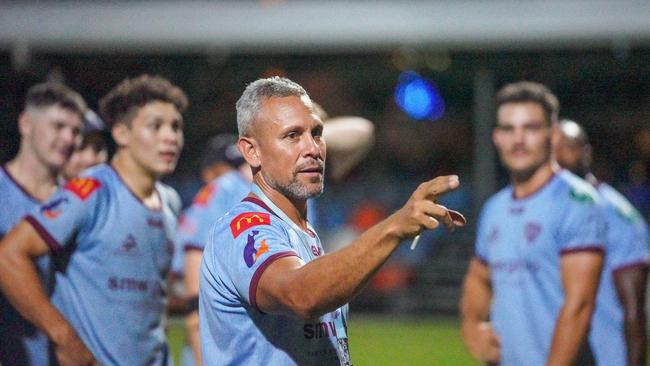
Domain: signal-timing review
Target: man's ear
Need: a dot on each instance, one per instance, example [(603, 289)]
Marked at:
[(121, 134), (556, 134), (250, 151), (24, 123)]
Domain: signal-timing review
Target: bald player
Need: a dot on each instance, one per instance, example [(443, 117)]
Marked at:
[(618, 327)]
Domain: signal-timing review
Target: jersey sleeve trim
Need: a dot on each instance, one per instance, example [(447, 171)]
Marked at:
[(49, 240), (632, 265), (252, 289), (586, 248), (192, 247)]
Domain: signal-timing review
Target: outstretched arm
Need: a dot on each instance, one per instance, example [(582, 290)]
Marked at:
[(580, 278), (309, 290), (20, 284), (478, 335), (631, 285)]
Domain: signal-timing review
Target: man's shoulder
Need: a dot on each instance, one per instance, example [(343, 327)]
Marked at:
[(619, 206), (497, 200), (575, 190), (170, 198), (246, 215), (89, 184)]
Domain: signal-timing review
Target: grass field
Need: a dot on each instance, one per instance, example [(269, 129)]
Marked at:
[(386, 340)]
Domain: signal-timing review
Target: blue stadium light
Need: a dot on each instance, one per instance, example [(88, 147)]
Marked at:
[(418, 97)]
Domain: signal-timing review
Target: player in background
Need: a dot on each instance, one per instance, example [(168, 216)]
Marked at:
[(268, 293), (49, 128), (110, 233), (530, 290), (92, 150), (618, 327), (228, 179)]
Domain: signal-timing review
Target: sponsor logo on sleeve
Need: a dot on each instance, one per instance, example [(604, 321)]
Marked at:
[(53, 209), (205, 194), (82, 187), (248, 220), (252, 254), (581, 195)]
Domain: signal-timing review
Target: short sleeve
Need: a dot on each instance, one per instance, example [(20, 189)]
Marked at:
[(254, 250), (59, 219), (627, 243), (583, 226)]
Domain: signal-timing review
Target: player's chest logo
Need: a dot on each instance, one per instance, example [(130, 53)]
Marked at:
[(316, 251), (493, 236), (128, 247), (53, 209), (532, 230)]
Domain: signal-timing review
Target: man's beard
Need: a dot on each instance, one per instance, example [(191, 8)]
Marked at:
[(296, 190)]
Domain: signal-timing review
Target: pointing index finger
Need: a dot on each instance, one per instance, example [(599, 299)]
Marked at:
[(437, 186)]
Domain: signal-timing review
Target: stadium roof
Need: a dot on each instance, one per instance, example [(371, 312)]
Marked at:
[(321, 26)]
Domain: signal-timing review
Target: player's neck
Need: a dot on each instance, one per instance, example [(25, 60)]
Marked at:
[(141, 182), (32, 175), (531, 184), (295, 210)]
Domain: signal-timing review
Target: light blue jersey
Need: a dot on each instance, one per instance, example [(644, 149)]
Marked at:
[(522, 241), (21, 343), (212, 202), (627, 246), (233, 330), (112, 254)]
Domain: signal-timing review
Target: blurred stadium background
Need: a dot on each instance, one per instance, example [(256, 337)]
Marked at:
[(423, 71)]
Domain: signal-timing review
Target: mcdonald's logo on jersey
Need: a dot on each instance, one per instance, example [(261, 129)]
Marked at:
[(248, 220), (82, 187)]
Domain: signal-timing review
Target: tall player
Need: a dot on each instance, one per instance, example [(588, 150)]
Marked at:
[(110, 233), (539, 246), (49, 128), (618, 328)]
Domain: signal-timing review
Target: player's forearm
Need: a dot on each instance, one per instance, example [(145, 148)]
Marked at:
[(332, 280), (636, 337), (475, 303), (21, 285), (631, 285), (570, 333), (192, 326), (476, 299)]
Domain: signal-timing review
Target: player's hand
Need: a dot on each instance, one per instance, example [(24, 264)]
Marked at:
[(71, 351), (421, 212), (483, 343)]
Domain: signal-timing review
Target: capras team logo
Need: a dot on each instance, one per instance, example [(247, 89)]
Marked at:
[(250, 253), (493, 236), (82, 187), (248, 220), (52, 210), (532, 231)]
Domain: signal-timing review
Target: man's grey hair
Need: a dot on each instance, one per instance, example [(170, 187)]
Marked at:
[(250, 103)]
